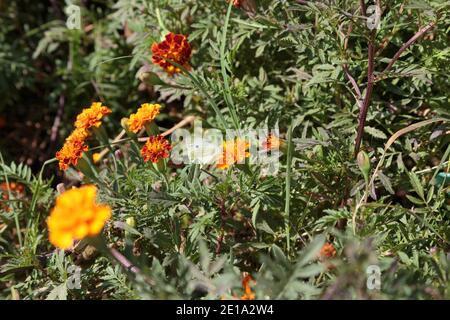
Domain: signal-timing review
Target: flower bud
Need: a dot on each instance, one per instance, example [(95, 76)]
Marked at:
[(124, 124), (364, 164)]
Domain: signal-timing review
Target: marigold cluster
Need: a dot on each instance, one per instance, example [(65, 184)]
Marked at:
[(75, 216), (233, 151), (155, 149), (174, 47), (12, 187), (248, 294), (92, 116), (145, 114), (75, 144)]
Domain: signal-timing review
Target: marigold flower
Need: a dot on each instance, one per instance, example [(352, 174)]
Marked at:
[(271, 142), (328, 251), (75, 216), (174, 47), (92, 116), (72, 149), (15, 188), (78, 134), (96, 157), (146, 113), (236, 3), (233, 151), (248, 294), (155, 149)]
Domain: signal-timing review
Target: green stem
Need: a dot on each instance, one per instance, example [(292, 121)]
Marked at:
[(227, 93), (16, 216), (288, 188)]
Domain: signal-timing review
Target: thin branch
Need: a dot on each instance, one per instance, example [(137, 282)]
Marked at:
[(57, 122), (370, 81), (366, 103), (405, 46), (354, 84), (362, 4), (119, 137), (352, 80), (124, 261)]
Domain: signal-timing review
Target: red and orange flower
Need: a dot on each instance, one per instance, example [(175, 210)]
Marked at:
[(248, 293), (271, 142), (155, 149), (72, 149), (176, 48), (328, 251), (237, 3), (75, 145)]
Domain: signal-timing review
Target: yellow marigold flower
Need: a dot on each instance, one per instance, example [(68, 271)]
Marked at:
[(174, 47), (72, 149), (75, 216), (248, 294), (96, 157), (233, 151), (155, 149), (92, 116), (146, 113)]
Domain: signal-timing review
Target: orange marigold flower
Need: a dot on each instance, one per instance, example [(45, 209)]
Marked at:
[(78, 134), (13, 187), (72, 149), (328, 251), (155, 149), (233, 151), (271, 142), (174, 47), (92, 116), (75, 216), (146, 113), (16, 189), (248, 294)]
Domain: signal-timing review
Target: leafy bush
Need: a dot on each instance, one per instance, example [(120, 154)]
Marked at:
[(308, 69)]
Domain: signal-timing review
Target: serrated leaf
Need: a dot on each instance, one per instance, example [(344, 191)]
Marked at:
[(375, 133), (415, 182)]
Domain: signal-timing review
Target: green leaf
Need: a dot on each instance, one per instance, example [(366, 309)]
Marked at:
[(375, 133), (415, 182)]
